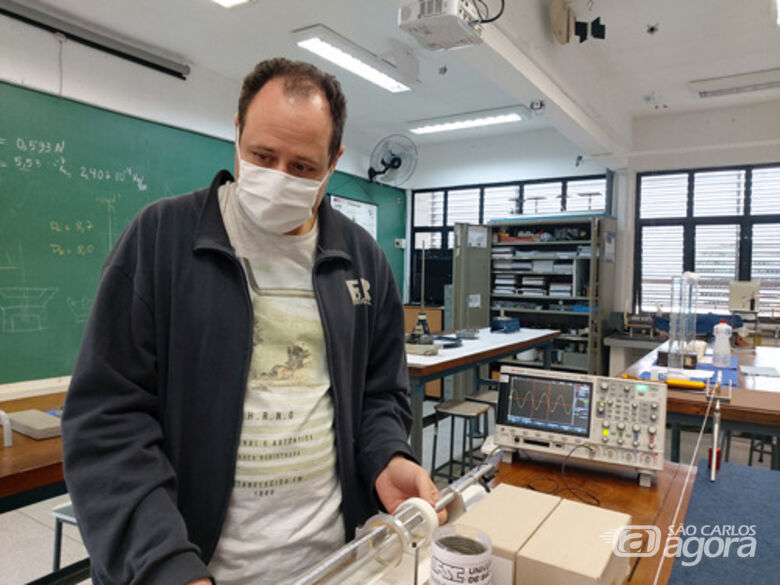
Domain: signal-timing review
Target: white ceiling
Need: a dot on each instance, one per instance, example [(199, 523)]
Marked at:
[(591, 89)]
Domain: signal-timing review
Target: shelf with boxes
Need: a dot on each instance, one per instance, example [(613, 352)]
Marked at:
[(557, 273)]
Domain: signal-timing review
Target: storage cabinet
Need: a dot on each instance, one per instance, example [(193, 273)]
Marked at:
[(556, 273)]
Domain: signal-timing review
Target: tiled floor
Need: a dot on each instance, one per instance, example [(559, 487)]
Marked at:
[(27, 534), (27, 542)]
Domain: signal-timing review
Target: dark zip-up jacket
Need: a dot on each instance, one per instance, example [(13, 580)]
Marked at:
[(152, 417)]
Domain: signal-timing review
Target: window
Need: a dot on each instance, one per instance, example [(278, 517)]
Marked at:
[(663, 196), (724, 224), (716, 263), (765, 265), (766, 191), (586, 195), (500, 202), (429, 208), (718, 193), (463, 206), (662, 258), (543, 198)]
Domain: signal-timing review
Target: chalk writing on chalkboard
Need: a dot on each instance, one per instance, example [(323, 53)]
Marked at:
[(24, 308)]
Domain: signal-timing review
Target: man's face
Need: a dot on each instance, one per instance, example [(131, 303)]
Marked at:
[(288, 133)]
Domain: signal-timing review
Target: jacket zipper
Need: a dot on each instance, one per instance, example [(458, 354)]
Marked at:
[(334, 393), (245, 377)]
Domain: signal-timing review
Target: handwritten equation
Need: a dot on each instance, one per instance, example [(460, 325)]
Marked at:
[(73, 242), (32, 155)]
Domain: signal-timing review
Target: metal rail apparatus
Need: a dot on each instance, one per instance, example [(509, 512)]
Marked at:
[(385, 539)]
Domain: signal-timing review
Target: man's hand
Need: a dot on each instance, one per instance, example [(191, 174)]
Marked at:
[(403, 479), (200, 582)]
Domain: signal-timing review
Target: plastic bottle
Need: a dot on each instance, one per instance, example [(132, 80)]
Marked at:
[(721, 350)]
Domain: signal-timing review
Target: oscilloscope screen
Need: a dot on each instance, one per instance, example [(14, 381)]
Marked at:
[(559, 406)]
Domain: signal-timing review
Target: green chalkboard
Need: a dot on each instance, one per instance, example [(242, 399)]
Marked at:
[(72, 176)]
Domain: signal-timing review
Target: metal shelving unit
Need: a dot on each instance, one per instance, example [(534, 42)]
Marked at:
[(585, 264)]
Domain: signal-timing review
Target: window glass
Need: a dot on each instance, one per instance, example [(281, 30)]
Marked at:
[(662, 258), (765, 192), (463, 206), (663, 196), (587, 195), (718, 193), (429, 208), (716, 263), (542, 198)]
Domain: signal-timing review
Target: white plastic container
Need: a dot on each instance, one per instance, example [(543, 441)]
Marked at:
[(721, 350)]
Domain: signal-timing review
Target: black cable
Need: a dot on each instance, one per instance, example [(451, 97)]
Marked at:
[(530, 485), (497, 16), (575, 491), (485, 6)]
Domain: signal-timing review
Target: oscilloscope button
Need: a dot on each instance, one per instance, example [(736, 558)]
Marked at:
[(605, 424), (636, 428), (651, 431), (653, 416), (654, 405), (621, 426), (604, 439), (620, 441), (636, 443), (604, 386)]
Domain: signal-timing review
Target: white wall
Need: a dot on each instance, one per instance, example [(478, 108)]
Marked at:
[(536, 154), (715, 137), (205, 102)]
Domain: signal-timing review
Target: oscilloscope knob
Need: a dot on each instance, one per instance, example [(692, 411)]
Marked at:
[(621, 426), (605, 424), (636, 428), (651, 431), (604, 386), (653, 416)]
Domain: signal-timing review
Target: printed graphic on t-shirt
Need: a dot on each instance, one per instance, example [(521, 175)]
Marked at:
[(287, 435)]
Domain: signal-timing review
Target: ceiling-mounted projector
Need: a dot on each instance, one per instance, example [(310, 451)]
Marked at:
[(442, 24)]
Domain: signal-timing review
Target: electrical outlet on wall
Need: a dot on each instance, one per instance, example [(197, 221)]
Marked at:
[(400, 243)]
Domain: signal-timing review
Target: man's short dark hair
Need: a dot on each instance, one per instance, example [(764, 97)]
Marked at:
[(299, 79)]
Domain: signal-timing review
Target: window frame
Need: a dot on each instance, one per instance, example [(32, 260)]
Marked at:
[(744, 220)]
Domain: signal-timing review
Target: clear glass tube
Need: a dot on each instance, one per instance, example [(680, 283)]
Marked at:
[(682, 319)]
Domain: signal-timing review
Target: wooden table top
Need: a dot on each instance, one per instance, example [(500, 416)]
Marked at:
[(621, 492), (756, 398), (30, 463)]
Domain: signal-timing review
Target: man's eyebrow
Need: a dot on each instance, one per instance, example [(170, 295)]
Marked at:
[(307, 160)]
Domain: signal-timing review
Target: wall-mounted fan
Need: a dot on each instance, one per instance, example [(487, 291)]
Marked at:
[(393, 160)]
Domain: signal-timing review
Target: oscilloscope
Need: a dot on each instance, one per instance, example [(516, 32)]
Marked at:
[(606, 422)]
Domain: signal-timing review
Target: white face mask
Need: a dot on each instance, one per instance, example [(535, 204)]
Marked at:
[(278, 202)]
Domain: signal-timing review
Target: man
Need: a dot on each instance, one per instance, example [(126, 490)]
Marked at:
[(239, 403)]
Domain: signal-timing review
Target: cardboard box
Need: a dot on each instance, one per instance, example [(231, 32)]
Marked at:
[(509, 516), (573, 547)]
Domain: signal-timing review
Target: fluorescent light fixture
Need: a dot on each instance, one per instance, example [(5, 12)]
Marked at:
[(735, 84), (332, 47), (777, 12), (230, 3), (472, 120)]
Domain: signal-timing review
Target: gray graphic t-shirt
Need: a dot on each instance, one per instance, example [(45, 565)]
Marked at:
[(285, 508)]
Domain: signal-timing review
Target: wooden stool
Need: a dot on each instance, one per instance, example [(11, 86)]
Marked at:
[(469, 411), (489, 397)]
